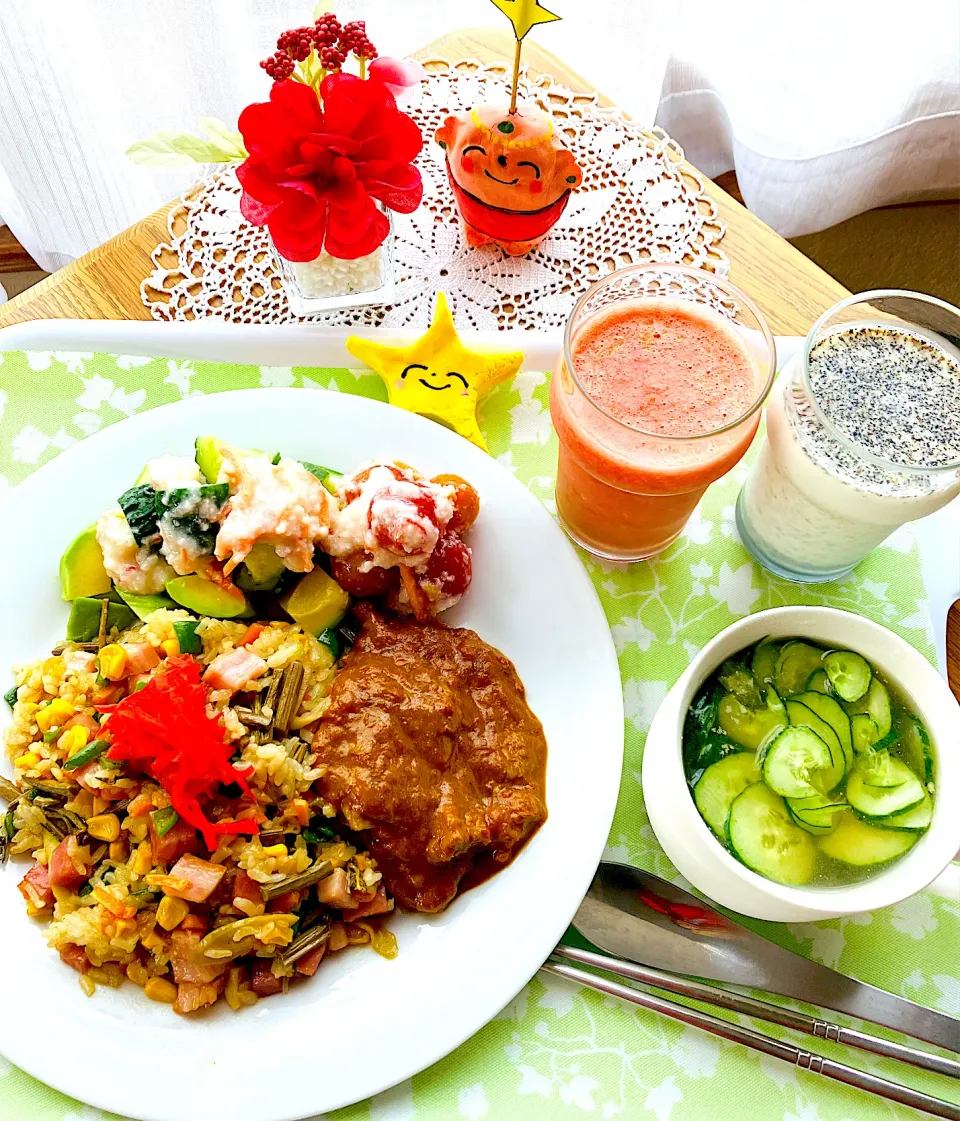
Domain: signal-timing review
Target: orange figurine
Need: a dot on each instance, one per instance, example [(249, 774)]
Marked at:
[(510, 174)]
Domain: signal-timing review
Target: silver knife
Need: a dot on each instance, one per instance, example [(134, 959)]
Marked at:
[(638, 916)]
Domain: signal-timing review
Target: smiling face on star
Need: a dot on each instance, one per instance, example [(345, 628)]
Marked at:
[(509, 161), (435, 380)]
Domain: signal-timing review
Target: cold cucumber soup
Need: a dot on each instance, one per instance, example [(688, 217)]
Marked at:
[(808, 764)]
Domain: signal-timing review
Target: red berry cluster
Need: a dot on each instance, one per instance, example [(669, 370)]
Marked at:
[(354, 38), (333, 42)]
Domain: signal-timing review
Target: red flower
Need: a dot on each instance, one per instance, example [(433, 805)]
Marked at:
[(314, 170)]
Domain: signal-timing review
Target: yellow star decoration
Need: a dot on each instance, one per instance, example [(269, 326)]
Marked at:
[(524, 14), (437, 376)]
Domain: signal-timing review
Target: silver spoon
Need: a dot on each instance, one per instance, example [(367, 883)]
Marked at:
[(638, 916)]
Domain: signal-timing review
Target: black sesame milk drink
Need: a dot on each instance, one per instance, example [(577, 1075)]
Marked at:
[(863, 434)]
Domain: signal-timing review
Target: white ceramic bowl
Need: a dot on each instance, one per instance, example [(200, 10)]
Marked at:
[(700, 857)]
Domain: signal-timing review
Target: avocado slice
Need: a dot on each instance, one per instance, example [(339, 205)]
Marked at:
[(84, 622), (261, 570), (203, 597), (317, 602), (81, 567), (142, 606)]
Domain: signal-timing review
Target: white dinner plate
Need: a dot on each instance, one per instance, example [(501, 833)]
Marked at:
[(362, 1023)]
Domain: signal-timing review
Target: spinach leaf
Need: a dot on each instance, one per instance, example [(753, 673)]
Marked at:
[(139, 508)]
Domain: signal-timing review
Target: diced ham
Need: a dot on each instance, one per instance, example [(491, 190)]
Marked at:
[(262, 981), (191, 996), (338, 937), (63, 870), (201, 877), (181, 838), (310, 963), (233, 670), (246, 887), (284, 904), (189, 965), (35, 887), (334, 890), (196, 924), (75, 956), (83, 720), (141, 657), (378, 905)]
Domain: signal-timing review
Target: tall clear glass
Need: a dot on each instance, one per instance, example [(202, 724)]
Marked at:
[(646, 428), (863, 434)]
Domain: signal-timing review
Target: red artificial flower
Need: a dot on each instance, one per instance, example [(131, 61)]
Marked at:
[(314, 170)]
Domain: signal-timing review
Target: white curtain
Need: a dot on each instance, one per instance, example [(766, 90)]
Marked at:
[(825, 108)]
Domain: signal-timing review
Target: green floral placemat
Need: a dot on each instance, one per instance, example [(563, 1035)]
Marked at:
[(556, 1051)]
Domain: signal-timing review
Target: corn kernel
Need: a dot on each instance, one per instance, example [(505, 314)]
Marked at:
[(113, 662), (171, 647), (73, 739), (125, 927), (275, 850), (171, 912), (118, 850), (105, 827), (137, 974), (159, 989), (143, 859), (87, 984), (152, 941), (28, 759), (57, 712), (99, 805)]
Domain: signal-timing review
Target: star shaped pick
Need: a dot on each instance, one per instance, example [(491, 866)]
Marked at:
[(524, 14), (437, 376)]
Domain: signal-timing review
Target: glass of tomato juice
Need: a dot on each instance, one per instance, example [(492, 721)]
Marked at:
[(657, 394)]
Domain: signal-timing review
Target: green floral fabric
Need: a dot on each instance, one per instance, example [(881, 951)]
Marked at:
[(556, 1051)]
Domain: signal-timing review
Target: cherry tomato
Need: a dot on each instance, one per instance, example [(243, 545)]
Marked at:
[(403, 519), (450, 566), (466, 502), (355, 485), (362, 585)]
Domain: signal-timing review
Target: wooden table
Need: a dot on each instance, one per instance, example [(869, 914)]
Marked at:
[(789, 288)]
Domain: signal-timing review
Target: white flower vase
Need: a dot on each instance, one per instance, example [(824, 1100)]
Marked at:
[(330, 283)]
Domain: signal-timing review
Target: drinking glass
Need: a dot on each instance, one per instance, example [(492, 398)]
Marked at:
[(624, 492), (817, 501)]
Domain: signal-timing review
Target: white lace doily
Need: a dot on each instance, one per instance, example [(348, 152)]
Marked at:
[(637, 203)]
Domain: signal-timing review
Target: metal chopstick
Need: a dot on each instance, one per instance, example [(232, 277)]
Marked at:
[(807, 1060), (761, 1010)]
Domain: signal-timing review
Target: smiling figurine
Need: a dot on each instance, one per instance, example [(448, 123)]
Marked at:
[(510, 174), (437, 376)]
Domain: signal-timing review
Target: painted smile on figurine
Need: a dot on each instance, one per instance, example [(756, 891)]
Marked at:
[(511, 176), (436, 388)]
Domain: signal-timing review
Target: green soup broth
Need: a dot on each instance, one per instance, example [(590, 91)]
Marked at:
[(808, 763)]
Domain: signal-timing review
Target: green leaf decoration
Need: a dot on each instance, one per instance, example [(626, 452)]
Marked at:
[(168, 148), (311, 73)]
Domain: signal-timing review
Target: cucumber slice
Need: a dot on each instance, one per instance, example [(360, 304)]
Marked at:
[(209, 457), (875, 703), (748, 727), (830, 710), (817, 814), (803, 717), (763, 837), (797, 663), (797, 763), (857, 843), (849, 673), (720, 784), (880, 769), (864, 732), (917, 751), (819, 683), (142, 606), (737, 679), (914, 820), (890, 797), (763, 664)]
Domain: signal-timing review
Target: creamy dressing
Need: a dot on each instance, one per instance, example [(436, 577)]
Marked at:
[(392, 514), (170, 472), (131, 568), (282, 505), (178, 546)]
